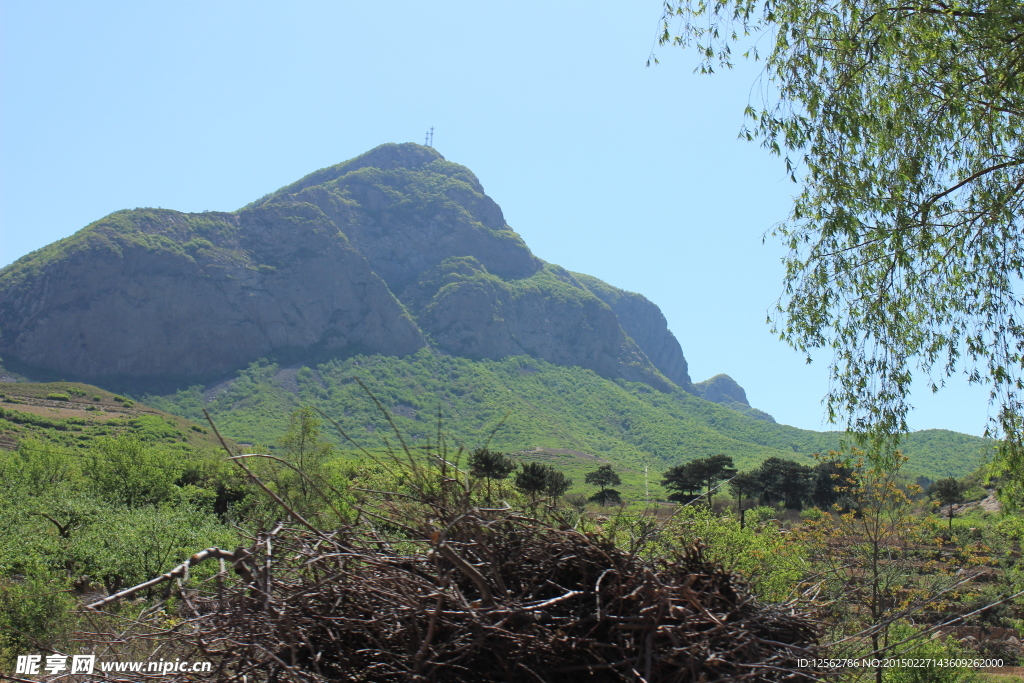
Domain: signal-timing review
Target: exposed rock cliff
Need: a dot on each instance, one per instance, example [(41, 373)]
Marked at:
[(385, 253), (724, 389), (406, 209), (125, 298), (721, 389), (468, 311), (644, 322)]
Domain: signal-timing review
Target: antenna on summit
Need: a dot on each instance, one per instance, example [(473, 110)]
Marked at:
[(428, 139)]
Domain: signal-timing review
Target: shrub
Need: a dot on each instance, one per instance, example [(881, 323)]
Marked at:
[(127, 471), (35, 613), (132, 546), (577, 501), (925, 650), (772, 562)]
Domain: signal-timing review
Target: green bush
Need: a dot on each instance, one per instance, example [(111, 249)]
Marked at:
[(134, 545), (58, 397), (28, 543), (198, 243), (35, 614), (925, 648), (761, 514), (127, 471), (38, 467), (771, 561)]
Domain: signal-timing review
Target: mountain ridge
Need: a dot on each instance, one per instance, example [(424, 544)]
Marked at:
[(390, 252)]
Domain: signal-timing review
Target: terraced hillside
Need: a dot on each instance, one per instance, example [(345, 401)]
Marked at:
[(74, 415)]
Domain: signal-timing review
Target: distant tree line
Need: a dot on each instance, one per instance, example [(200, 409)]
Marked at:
[(537, 480), (534, 479), (776, 482)]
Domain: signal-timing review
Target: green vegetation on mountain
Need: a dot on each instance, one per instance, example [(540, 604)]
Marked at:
[(531, 407)]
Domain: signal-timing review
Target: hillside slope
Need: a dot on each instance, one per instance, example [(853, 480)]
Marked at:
[(531, 407), (72, 415)]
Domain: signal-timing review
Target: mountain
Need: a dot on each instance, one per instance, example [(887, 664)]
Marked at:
[(389, 253), (394, 267)]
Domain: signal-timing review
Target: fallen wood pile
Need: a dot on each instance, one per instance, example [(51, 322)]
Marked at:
[(490, 596)]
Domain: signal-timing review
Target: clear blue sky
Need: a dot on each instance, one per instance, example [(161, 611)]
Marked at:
[(632, 174)]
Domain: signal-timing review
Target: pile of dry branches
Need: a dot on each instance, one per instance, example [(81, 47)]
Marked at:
[(486, 596)]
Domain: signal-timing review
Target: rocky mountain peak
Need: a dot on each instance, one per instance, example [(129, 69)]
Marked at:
[(386, 253)]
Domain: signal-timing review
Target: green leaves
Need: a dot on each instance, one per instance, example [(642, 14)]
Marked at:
[(901, 125), (126, 471), (536, 478), (131, 545), (604, 476), (696, 474), (490, 465)]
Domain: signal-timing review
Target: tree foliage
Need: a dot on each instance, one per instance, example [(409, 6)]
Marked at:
[(603, 477), (785, 482), (557, 483), (536, 478), (303, 447), (902, 124), (830, 482), (127, 471), (949, 492), (34, 609), (883, 574), (490, 465), (697, 474), (607, 497), (683, 481), (744, 485)]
